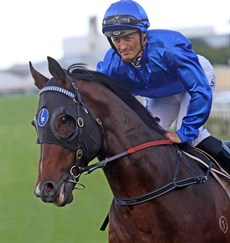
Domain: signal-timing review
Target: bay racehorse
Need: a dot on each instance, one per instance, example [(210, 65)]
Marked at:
[(161, 193)]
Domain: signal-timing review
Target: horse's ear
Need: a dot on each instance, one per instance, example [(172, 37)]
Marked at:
[(39, 79), (56, 70)]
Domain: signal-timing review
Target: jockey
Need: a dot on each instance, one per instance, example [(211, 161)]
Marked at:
[(162, 66)]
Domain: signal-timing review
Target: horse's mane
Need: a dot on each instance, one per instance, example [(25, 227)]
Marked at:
[(78, 71)]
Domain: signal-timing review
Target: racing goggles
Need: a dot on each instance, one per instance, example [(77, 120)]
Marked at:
[(122, 20)]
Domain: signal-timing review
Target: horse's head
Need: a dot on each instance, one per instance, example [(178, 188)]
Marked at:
[(68, 134)]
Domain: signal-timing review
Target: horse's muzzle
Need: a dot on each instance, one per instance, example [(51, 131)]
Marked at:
[(50, 192)]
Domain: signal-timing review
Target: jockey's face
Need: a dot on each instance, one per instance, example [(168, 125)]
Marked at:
[(129, 46)]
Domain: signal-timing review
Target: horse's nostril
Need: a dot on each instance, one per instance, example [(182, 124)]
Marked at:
[(49, 191), (49, 187)]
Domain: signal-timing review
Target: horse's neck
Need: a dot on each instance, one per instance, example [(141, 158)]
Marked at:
[(142, 171), (123, 129)]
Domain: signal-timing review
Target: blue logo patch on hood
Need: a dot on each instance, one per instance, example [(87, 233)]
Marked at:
[(43, 117)]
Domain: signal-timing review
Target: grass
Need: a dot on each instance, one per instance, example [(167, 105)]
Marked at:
[(23, 217)]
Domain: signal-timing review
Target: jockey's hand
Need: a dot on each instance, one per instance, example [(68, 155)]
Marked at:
[(172, 136)]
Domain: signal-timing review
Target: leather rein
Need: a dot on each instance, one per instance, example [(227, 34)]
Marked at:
[(149, 196), (102, 163)]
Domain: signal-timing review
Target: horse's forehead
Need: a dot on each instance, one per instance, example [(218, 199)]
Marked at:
[(52, 100)]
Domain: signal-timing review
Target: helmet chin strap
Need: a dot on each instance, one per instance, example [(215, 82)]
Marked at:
[(112, 45), (137, 60)]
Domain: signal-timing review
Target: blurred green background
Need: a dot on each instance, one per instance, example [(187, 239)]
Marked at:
[(23, 217)]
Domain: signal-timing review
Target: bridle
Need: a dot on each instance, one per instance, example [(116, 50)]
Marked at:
[(81, 138)]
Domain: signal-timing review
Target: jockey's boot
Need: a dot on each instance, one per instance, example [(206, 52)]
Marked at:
[(218, 150)]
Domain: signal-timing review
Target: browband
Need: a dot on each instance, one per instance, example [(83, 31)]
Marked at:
[(57, 89)]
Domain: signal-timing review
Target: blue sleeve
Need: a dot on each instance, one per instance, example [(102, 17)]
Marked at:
[(111, 66), (184, 62), (105, 65)]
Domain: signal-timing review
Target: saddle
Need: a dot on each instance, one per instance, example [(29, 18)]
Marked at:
[(204, 159)]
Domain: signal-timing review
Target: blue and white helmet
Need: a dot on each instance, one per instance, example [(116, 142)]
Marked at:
[(124, 15)]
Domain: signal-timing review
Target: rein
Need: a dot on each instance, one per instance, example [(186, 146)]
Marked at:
[(152, 195), (168, 187), (129, 151)]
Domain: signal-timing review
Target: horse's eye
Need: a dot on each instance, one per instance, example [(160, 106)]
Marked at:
[(65, 119)]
